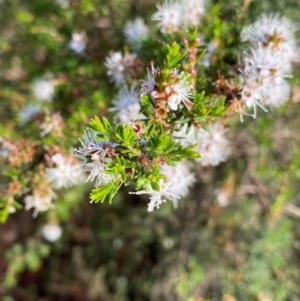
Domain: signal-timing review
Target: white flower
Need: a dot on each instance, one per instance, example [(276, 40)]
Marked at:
[(89, 143), (117, 66), (78, 42), (51, 232), (263, 79), (265, 62), (168, 16), (158, 197), (96, 150), (93, 156), (192, 11), (114, 64), (177, 183), (269, 62), (148, 86), (43, 88), (172, 15), (181, 93), (135, 32), (40, 200), (185, 136), (12, 209), (127, 106), (212, 145), (65, 174), (273, 92), (180, 179), (281, 91), (275, 32), (97, 171), (252, 96)]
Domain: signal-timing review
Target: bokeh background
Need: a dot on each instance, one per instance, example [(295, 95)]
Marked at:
[(235, 238)]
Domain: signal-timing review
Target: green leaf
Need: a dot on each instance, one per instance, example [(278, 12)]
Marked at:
[(3, 214), (105, 191), (101, 125), (24, 16), (155, 185), (174, 56), (97, 125)]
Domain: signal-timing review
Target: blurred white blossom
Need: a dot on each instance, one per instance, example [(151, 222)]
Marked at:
[(40, 200), (97, 172), (158, 197), (172, 16), (117, 66), (43, 88), (51, 232), (192, 11), (180, 177), (212, 144), (268, 63), (65, 173), (93, 155), (135, 32), (168, 16), (78, 42), (127, 106), (264, 62), (275, 32), (178, 181)]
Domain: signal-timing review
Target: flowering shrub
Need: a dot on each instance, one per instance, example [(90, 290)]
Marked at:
[(95, 104), (173, 114), (172, 118)]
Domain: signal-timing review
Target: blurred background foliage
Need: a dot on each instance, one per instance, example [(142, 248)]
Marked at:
[(237, 236)]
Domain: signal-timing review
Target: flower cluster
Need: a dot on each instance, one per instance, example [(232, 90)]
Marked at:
[(135, 32), (141, 149), (40, 200), (118, 65), (43, 88), (78, 42), (178, 180), (127, 106), (51, 232), (268, 64), (160, 122), (211, 143), (173, 15), (148, 147), (65, 173), (168, 95), (93, 156)]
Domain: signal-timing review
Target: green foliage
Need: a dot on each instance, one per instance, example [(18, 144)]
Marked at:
[(136, 158), (235, 236), (263, 271), (172, 56), (22, 258), (105, 191)]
